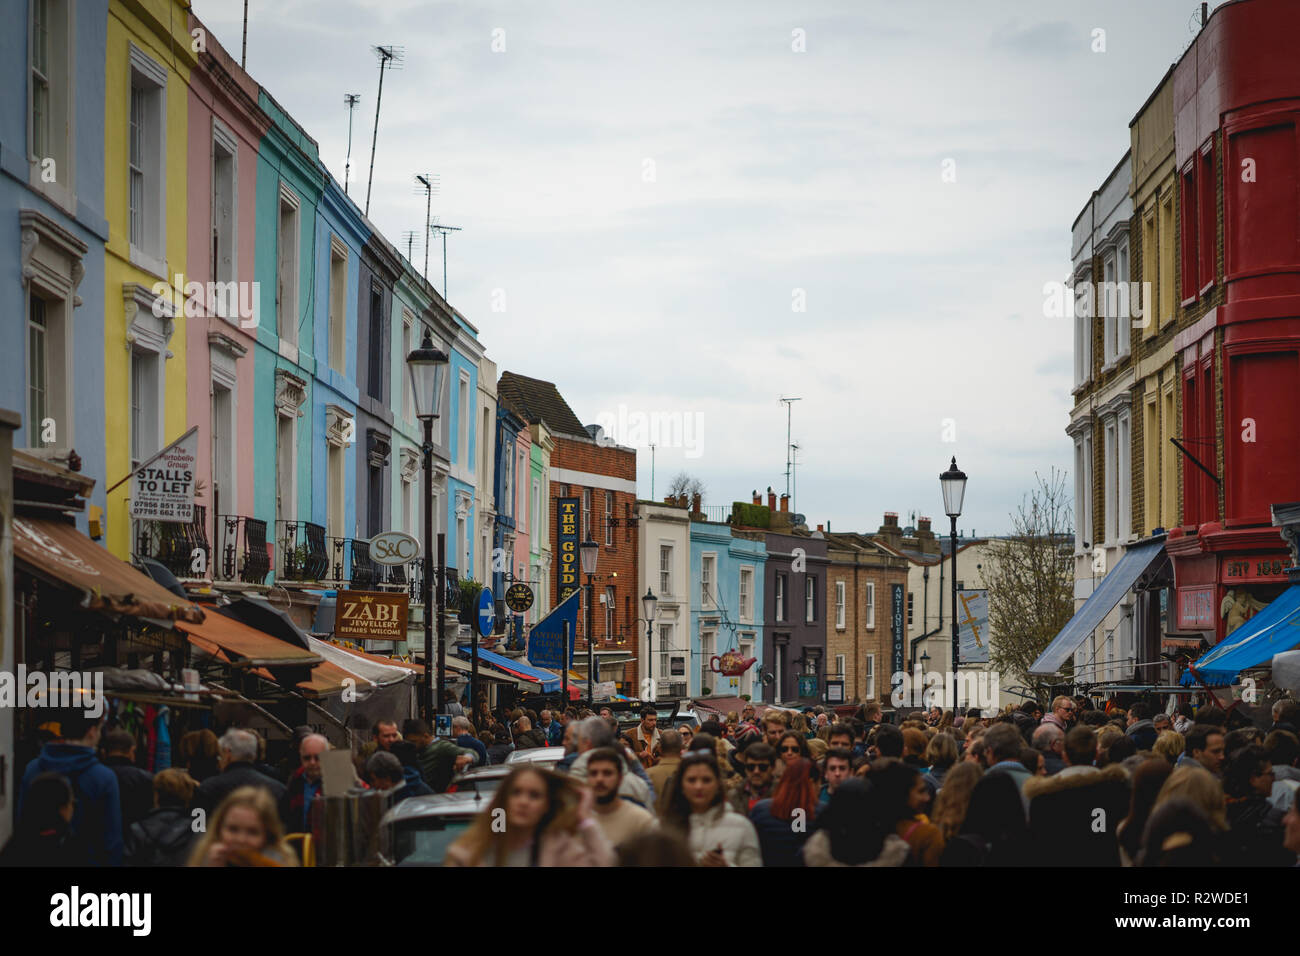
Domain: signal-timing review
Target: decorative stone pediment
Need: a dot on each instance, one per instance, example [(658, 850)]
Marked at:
[(150, 319), (463, 501), (410, 463), (290, 393), (378, 448), (339, 426), (51, 254)]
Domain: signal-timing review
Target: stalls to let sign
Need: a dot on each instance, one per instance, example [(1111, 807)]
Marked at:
[(568, 541), (371, 615), (162, 488)]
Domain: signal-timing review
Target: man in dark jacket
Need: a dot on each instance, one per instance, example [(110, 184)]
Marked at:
[(384, 771), (439, 759), (97, 814), (167, 834), (238, 749), (1141, 728), (526, 737), (305, 785), (134, 784), (1073, 815), (462, 734), (1049, 740), (413, 784)]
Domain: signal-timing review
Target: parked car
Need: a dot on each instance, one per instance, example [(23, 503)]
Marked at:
[(423, 827)]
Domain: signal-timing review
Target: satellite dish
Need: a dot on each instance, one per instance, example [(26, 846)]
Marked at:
[(279, 598), (799, 519)]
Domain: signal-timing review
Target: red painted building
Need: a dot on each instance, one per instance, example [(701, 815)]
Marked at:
[(1237, 146)]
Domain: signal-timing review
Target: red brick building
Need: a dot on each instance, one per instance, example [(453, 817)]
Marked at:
[(602, 476)]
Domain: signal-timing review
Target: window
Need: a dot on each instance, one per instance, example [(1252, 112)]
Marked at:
[(910, 605), (1167, 242), (336, 491), (224, 209), (49, 84), (462, 545), (1169, 458), (520, 483), (286, 271), (780, 597), (665, 570), (38, 369), (408, 400), (706, 652), (1190, 223), (1110, 483), (1151, 461), (463, 411), (1108, 304), (1124, 476), (839, 666), (1150, 256), (223, 450), (539, 516), (746, 683), (706, 579), (839, 605), (146, 161), (1082, 333), (339, 307), (286, 457), (408, 507), (609, 519), (746, 594), (1082, 469), (611, 604), (665, 645), (871, 604), (1124, 311), (809, 599), (1206, 206), (376, 357), (586, 515), (146, 420), (870, 675), (507, 470)]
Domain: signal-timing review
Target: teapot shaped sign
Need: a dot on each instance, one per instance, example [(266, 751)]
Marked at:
[(393, 548), (731, 664)]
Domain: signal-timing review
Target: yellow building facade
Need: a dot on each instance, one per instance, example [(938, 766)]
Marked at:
[(146, 93)]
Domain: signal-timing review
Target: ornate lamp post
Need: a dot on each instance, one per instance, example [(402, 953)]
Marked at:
[(953, 483), (650, 604), (427, 365), (589, 552)]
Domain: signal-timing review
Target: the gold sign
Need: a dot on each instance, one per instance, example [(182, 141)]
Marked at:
[(371, 615)]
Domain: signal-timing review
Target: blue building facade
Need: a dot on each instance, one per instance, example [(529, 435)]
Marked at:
[(727, 600), (52, 243)]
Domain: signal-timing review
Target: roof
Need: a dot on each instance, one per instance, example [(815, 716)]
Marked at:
[(534, 401)]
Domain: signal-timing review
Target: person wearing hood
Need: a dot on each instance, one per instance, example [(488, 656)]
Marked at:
[(1141, 728), (164, 836), (1063, 809), (43, 836), (97, 814)]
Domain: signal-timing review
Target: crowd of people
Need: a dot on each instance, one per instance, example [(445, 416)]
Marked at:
[(1070, 785)]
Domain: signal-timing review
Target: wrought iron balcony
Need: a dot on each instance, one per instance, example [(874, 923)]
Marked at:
[(241, 550), (302, 551), (183, 549)]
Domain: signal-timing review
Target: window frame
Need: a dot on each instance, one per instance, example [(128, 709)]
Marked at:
[(810, 599), (841, 611), (288, 243), (148, 77), (871, 605)]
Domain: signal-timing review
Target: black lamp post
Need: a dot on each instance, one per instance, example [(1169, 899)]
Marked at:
[(650, 604), (427, 366), (589, 551), (953, 483)]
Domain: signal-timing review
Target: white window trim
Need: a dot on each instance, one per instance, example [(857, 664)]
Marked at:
[(1124, 474), (709, 600), (288, 197), (666, 592), (869, 691), (62, 191), (152, 72), (810, 595), (871, 605), (1123, 322), (463, 426), (1110, 339), (779, 596), (223, 137), (841, 610), (338, 357), (1110, 480), (744, 612)]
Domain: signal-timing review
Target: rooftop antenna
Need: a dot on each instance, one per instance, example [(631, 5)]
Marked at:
[(794, 461), (788, 407), (391, 57), (409, 235), (350, 100), (652, 471), (443, 230), (429, 184), (243, 53)]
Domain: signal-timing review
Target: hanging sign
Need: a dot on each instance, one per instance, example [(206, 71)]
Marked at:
[(162, 488)]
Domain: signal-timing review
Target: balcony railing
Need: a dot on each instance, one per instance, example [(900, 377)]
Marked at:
[(241, 550), (300, 548), (174, 545)]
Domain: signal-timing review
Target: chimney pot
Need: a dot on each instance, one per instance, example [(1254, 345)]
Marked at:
[(771, 499), (758, 499), (819, 527), (695, 502), (785, 504)]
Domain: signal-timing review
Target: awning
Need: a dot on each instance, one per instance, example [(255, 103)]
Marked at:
[(370, 669), (1110, 592), (1272, 631), (464, 668), (519, 668), (60, 551), (245, 644)]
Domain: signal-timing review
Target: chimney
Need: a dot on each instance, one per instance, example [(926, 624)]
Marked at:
[(695, 503), (923, 524), (682, 500), (670, 499), (785, 504), (819, 527), (771, 499), (758, 499)]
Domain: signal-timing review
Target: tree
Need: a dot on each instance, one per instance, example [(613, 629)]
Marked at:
[(1030, 578), (686, 484)]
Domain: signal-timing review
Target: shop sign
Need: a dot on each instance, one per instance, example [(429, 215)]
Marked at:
[(371, 615)]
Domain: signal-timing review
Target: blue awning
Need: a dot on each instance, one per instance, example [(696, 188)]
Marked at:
[(1110, 592), (516, 668), (1272, 631)]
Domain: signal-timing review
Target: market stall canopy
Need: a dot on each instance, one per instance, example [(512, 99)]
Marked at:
[(1108, 593), (246, 644), (1272, 631), (463, 668), (57, 550), (364, 666), (518, 668), (262, 614)]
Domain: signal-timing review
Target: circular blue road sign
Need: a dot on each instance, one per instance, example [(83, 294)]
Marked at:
[(487, 612)]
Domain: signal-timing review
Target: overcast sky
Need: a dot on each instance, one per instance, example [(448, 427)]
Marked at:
[(648, 192)]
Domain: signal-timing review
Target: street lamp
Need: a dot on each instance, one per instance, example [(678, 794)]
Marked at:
[(953, 483), (650, 604), (427, 366), (589, 551)]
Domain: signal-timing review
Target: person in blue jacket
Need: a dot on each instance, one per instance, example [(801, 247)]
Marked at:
[(97, 816)]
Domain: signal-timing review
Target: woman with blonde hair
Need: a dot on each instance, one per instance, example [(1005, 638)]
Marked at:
[(1169, 745), (954, 799), (1200, 787), (817, 748), (244, 831), (536, 818)]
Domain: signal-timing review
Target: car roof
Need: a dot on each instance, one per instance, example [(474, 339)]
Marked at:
[(536, 755), (466, 803)]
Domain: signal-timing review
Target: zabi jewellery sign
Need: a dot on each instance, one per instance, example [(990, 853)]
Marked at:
[(162, 488), (567, 513), (371, 615), (393, 548)]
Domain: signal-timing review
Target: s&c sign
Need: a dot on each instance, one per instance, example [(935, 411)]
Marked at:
[(394, 547)]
